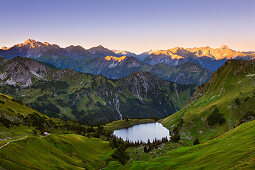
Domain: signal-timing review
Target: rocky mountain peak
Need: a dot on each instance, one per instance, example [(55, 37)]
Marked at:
[(75, 48), (20, 71), (101, 51), (5, 48), (29, 41)]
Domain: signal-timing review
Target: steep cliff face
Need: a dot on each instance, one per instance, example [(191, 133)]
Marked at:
[(88, 98)]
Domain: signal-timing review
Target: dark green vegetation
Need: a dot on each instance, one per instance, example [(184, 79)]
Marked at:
[(91, 99), (219, 105)]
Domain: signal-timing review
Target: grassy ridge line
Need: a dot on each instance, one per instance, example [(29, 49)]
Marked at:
[(234, 149), (120, 124), (69, 151)]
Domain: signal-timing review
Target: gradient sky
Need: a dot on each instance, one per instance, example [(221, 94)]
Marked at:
[(134, 25)]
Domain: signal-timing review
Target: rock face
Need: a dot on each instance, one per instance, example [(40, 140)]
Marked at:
[(88, 98), (21, 71)]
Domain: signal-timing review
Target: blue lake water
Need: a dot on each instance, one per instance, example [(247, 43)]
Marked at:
[(143, 132)]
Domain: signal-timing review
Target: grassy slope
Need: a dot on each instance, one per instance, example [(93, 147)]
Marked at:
[(67, 151), (8, 105), (234, 149), (234, 80), (59, 150)]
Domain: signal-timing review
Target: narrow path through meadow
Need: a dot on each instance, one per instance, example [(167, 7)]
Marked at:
[(12, 141)]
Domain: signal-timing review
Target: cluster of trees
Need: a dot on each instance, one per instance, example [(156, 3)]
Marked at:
[(120, 147), (154, 142), (175, 136), (148, 146), (154, 145)]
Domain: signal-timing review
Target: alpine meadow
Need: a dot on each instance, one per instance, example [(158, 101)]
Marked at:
[(127, 85)]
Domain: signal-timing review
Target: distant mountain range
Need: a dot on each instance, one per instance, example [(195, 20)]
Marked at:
[(207, 57), (88, 98), (115, 64)]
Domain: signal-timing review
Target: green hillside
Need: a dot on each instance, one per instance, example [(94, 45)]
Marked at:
[(68, 151), (69, 145), (234, 149), (219, 105)]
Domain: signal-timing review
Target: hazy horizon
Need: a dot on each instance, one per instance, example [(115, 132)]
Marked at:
[(134, 25)]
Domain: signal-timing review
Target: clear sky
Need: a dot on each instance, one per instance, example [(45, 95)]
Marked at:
[(134, 25)]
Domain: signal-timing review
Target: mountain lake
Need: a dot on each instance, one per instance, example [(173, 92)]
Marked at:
[(143, 132)]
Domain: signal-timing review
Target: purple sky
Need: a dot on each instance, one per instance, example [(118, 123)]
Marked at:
[(134, 25)]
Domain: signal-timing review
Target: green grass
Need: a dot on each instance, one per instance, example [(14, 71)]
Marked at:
[(68, 151), (138, 154), (234, 149), (120, 124)]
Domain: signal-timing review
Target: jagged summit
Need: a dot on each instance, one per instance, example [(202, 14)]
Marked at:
[(101, 51), (76, 48), (30, 41), (211, 58)]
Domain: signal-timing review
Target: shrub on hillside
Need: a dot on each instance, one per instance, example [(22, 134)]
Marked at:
[(196, 142), (237, 102), (175, 138), (215, 118)]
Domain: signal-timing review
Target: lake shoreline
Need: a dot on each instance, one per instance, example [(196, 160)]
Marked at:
[(121, 124), (143, 132)]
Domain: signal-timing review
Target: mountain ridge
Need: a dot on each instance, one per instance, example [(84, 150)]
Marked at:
[(94, 61), (64, 93)]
